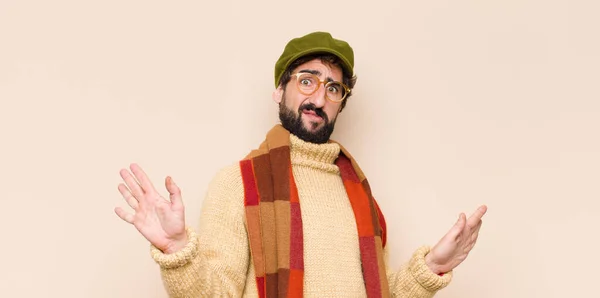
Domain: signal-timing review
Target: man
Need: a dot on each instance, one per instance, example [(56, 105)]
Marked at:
[(296, 217)]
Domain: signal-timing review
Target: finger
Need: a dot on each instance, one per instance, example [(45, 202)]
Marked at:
[(131, 201), (475, 218), (475, 232), (141, 176), (128, 217), (174, 193), (458, 227), (132, 184), (473, 239)]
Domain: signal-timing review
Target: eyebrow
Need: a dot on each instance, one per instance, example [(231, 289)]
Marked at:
[(316, 72)]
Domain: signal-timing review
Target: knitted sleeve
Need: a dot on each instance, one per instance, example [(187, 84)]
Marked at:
[(215, 261), (414, 279)]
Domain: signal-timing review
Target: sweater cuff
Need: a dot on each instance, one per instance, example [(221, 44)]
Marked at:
[(180, 258), (423, 275)]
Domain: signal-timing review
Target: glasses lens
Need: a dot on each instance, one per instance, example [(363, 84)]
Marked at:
[(335, 91), (307, 83)]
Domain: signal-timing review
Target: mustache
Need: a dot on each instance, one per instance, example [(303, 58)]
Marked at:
[(312, 107)]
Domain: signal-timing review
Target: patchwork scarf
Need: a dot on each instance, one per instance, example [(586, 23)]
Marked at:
[(274, 221)]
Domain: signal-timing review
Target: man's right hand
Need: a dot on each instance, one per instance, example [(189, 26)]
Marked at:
[(159, 220)]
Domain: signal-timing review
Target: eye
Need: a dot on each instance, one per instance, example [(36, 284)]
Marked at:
[(306, 82), (333, 89)]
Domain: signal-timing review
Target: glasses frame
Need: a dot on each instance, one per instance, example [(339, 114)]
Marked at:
[(321, 82)]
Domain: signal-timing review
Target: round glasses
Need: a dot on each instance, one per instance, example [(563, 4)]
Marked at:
[(308, 84)]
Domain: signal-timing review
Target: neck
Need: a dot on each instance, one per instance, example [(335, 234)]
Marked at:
[(319, 156)]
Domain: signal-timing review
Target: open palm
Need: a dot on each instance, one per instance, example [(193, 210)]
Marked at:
[(455, 246), (160, 221)]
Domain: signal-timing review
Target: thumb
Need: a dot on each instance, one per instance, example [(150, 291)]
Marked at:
[(174, 193)]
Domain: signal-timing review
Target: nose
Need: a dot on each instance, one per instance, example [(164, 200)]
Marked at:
[(318, 98)]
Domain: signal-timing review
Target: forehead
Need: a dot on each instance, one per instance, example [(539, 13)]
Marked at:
[(326, 70)]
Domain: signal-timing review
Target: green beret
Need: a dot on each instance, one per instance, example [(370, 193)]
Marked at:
[(316, 42)]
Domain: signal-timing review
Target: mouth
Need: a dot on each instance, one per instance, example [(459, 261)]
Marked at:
[(312, 115)]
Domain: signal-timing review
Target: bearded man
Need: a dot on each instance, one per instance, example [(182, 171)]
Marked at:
[(296, 217)]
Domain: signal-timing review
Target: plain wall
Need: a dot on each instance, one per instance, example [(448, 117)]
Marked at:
[(458, 103)]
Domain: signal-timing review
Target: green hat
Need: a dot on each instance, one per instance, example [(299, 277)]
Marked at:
[(316, 42)]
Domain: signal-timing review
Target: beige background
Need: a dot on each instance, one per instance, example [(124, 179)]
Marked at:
[(458, 103)]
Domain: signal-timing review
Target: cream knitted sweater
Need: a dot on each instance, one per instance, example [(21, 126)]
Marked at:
[(217, 261)]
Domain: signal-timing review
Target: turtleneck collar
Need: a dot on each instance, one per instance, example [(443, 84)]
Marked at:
[(319, 156)]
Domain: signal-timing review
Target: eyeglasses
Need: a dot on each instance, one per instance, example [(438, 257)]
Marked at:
[(308, 84)]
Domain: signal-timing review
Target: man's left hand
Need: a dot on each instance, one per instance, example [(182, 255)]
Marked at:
[(455, 246)]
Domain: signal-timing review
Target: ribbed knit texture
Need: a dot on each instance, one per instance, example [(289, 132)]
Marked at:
[(330, 234), (216, 262)]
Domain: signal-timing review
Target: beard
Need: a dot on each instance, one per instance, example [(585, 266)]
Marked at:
[(292, 121)]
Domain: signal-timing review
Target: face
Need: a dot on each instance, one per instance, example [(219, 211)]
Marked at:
[(309, 117)]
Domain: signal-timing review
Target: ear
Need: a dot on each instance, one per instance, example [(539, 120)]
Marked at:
[(278, 95)]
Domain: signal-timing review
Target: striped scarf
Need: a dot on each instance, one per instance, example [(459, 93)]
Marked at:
[(274, 220)]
